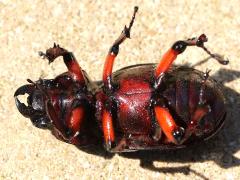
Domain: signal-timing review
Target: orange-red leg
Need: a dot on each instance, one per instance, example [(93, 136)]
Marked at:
[(70, 61), (108, 130), (202, 109), (195, 121), (74, 123), (166, 62), (173, 132), (107, 71), (73, 67), (68, 128), (199, 113), (177, 48)]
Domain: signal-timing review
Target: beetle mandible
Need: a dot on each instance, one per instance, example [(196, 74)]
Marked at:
[(145, 106)]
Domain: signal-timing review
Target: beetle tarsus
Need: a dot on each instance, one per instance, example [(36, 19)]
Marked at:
[(52, 53), (70, 61), (178, 48), (127, 30), (125, 33), (42, 54), (199, 42), (113, 52)]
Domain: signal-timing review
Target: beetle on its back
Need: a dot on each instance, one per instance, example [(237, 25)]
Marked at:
[(139, 107)]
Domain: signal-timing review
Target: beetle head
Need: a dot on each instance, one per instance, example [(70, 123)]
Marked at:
[(35, 110)]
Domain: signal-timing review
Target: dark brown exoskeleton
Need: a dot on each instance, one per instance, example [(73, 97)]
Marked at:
[(145, 106)]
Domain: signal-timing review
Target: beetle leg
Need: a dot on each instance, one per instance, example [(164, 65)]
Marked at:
[(157, 132), (74, 123), (173, 132), (199, 113), (67, 129), (59, 128), (108, 131), (113, 51), (69, 60), (202, 109), (178, 48), (203, 87)]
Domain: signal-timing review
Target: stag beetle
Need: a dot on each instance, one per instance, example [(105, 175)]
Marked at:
[(140, 107)]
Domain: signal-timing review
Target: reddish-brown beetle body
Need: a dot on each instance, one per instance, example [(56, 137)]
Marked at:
[(146, 106), (134, 98)]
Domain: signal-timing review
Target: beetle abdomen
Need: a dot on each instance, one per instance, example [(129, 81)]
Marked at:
[(184, 88), (181, 88)]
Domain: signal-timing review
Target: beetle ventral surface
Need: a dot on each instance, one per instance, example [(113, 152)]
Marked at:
[(127, 112), (131, 109), (88, 30)]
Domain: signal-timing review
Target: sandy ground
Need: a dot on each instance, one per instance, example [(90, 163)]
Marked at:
[(88, 28)]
